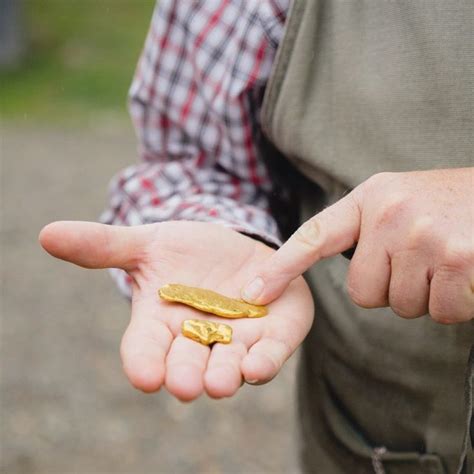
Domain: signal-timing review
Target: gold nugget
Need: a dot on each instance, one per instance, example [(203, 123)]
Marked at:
[(211, 302), (206, 332)]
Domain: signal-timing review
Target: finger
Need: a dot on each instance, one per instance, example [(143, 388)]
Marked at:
[(451, 297), (264, 360), (282, 335), (93, 245), (223, 376), (409, 286), (145, 345), (185, 367), (368, 278), (328, 233)]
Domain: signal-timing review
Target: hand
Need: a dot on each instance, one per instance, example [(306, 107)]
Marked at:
[(196, 254), (415, 245)]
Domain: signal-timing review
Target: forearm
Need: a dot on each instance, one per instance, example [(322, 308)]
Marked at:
[(157, 192), (195, 103)]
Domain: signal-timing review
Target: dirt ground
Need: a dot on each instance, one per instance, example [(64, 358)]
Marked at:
[(66, 406)]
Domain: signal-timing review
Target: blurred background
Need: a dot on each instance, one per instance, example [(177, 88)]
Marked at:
[(66, 407)]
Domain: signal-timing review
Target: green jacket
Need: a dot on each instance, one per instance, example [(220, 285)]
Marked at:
[(361, 87)]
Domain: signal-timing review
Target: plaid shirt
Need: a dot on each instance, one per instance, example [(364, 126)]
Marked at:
[(195, 103)]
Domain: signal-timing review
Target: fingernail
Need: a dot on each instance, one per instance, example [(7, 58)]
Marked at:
[(253, 290), (251, 382)]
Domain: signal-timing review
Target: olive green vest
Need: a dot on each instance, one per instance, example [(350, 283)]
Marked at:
[(360, 87)]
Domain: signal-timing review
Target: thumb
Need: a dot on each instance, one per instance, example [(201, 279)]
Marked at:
[(328, 233), (93, 245)]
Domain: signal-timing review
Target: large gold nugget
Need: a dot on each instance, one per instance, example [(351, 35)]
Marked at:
[(211, 302), (206, 332)]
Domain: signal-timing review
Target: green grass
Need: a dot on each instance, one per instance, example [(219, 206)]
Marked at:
[(80, 60)]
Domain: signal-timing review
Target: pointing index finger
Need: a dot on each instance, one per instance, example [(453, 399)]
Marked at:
[(328, 233)]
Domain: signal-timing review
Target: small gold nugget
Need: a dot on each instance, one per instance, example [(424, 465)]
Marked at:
[(206, 332), (211, 302)]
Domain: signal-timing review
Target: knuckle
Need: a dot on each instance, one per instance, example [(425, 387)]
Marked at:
[(392, 208), (378, 179), (357, 296), (407, 299), (441, 317), (443, 309), (458, 257), (421, 230), (309, 233), (451, 299), (360, 291), (405, 312)]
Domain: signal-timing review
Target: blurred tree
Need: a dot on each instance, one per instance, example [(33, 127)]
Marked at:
[(75, 58), (12, 33)]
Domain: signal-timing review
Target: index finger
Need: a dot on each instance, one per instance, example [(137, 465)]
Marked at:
[(328, 233)]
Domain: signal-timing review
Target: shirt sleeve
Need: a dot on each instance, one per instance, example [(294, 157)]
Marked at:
[(195, 103)]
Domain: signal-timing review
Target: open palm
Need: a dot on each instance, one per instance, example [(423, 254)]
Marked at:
[(154, 352)]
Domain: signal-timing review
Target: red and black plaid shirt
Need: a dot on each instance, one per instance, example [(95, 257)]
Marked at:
[(195, 103)]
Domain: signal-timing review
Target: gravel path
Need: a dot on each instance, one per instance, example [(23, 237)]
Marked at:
[(66, 407)]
